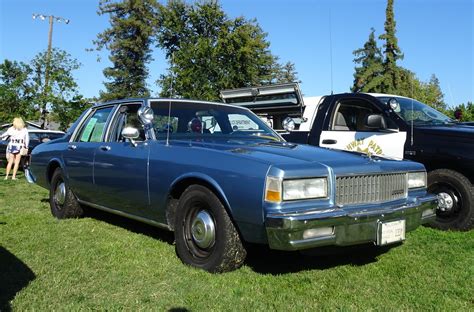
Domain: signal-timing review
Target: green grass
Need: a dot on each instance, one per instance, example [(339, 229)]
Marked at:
[(105, 262)]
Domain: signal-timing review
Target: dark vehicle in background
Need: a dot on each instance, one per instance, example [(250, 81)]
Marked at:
[(36, 135), (219, 177), (378, 125)]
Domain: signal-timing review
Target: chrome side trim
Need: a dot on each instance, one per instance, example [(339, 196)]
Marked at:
[(127, 215)]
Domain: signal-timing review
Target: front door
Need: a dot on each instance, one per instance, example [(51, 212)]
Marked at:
[(347, 130), (121, 167)]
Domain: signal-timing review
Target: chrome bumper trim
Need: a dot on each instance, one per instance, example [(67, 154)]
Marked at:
[(351, 226)]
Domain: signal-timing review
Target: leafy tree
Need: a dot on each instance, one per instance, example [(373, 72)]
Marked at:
[(368, 77), (62, 87), (66, 112), (129, 41), (16, 90), (466, 110), (207, 51)]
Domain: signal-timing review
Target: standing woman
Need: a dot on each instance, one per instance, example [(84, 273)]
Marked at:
[(17, 146)]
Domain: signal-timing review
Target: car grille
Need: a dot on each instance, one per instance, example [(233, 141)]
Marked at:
[(370, 188)]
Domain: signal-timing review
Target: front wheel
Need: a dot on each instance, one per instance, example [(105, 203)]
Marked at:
[(455, 200), (61, 199), (205, 236)]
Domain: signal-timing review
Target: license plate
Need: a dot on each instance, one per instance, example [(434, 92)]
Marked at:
[(390, 232)]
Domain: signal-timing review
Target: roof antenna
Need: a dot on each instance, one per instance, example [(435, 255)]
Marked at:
[(330, 50), (168, 125), (412, 114)]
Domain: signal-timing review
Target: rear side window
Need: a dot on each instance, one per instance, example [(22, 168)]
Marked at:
[(93, 129)]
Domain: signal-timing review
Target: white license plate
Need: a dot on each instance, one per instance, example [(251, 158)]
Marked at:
[(391, 232)]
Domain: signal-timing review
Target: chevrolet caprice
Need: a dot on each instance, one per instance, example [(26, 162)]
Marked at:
[(218, 177)]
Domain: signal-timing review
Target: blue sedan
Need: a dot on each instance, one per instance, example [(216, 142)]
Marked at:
[(218, 176)]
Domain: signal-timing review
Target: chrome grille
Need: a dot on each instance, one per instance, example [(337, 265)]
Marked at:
[(370, 188)]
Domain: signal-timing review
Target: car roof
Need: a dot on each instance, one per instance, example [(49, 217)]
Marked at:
[(386, 95), (128, 100)]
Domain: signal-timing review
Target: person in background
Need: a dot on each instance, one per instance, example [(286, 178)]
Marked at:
[(17, 145)]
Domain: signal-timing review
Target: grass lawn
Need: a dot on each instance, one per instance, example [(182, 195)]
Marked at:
[(107, 262)]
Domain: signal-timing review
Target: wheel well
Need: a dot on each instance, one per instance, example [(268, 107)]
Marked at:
[(178, 190), (467, 172), (50, 171)]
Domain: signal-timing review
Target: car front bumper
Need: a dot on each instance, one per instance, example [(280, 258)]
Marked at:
[(343, 227)]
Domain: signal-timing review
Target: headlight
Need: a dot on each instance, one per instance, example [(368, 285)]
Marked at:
[(277, 190), (305, 189), (416, 179)]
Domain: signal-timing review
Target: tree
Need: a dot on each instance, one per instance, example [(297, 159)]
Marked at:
[(368, 77), (286, 73), (207, 51), (392, 75), (66, 112), (466, 111), (16, 90), (129, 41), (62, 87)]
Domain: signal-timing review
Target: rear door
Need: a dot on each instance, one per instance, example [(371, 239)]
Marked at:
[(80, 153), (346, 129)]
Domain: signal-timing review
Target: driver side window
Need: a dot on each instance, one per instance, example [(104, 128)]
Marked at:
[(127, 117), (350, 115)]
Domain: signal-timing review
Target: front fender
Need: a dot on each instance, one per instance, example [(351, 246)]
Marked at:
[(203, 177)]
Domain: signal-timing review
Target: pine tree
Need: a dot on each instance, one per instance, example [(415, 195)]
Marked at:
[(392, 76), (368, 76), (129, 41)]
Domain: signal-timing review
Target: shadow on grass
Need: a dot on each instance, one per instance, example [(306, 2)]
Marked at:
[(14, 276), (263, 260), (131, 225), (260, 258)]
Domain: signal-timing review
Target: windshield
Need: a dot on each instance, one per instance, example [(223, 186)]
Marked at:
[(421, 114), (206, 120)]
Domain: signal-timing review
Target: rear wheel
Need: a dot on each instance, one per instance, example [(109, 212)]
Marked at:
[(455, 200), (205, 236), (61, 199)]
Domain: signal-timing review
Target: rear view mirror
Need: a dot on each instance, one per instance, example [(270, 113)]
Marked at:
[(376, 122)]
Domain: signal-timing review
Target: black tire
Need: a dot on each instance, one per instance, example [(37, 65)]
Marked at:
[(63, 203), (456, 200), (221, 252)]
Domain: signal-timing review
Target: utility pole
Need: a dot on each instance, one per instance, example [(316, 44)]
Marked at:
[(51, 19)]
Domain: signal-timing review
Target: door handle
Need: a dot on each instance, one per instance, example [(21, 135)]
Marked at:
[(105, 148), (329, 141), (72, 147)]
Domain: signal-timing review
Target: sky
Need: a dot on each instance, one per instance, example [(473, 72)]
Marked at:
[(436, 37)]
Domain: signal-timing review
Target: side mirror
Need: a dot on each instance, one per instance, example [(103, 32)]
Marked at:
[(131, 134), (376, 122)]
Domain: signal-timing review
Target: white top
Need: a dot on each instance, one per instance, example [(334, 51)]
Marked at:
[(18, 138)]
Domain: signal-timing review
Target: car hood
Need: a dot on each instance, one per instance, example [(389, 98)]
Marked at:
[(464, 131), (299, 156)]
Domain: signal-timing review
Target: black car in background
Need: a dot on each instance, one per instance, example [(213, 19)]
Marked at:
[(37, 136)]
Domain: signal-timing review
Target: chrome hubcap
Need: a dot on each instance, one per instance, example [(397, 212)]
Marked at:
[(60, 193), (203, 230), (445, 201)]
